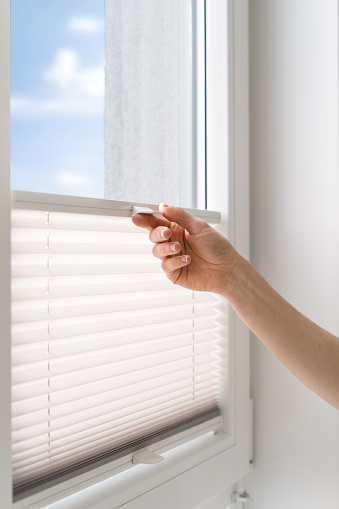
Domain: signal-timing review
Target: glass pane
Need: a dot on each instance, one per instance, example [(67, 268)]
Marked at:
[(57, 96), (151, 70), (109, 106)]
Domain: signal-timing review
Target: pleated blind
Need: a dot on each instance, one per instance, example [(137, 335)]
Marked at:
[(107, 355)]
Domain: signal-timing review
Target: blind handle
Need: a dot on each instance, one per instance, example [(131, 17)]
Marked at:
[(141, 210), (146, 457)]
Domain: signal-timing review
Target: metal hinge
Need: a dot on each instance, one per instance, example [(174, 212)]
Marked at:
[(243, 497)]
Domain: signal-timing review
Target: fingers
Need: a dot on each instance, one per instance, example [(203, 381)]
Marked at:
[(160, 234), (170, 265), (178, 215), (161, 250)]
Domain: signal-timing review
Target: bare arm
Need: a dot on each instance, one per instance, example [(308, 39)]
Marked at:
[(195, 256), (308, 351)]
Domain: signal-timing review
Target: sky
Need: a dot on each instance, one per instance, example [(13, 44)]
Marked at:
[(57, 96)]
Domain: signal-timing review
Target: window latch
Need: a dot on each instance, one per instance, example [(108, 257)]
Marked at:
[(146, 457)]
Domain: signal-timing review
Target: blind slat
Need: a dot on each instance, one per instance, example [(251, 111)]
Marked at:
[(182, 379), (115, 354), (124, 422), (74, 326), (27, 288), (63, 221), (42, 370), (51, 264), (58, 417), (84, 380), (42, 350), (29, 240), (64, 392), (39, 310)]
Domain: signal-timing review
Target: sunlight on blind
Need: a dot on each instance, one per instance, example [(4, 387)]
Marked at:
[(105, 350)]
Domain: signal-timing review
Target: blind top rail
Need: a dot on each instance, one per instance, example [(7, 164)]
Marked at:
[(97, 206)]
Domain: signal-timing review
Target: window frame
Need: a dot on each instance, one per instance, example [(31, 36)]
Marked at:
[(199, 469), (5, 316)]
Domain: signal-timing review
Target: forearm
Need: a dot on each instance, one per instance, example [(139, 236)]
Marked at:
[(307, 350)]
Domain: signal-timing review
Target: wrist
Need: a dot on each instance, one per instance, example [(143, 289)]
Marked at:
[(237, 280)]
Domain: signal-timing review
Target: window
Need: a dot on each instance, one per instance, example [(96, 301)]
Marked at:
[(225, 454)]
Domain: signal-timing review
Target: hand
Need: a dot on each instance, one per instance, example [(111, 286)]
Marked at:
[(193, 254)]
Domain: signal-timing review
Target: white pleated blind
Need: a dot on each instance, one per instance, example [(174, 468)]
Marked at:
[(106, 352)]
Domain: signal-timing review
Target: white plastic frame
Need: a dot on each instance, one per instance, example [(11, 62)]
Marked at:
[(5, 355), (193, 472), (192, 103)]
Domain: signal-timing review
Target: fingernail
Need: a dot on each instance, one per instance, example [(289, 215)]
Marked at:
[(173, 247), (185, 259), (162, 233)]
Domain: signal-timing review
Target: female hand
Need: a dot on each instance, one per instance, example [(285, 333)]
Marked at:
[(193, 254)]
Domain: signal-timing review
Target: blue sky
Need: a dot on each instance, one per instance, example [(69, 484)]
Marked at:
[(57, 96)]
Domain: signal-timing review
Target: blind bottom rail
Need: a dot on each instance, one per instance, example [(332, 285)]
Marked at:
[(36, 485)]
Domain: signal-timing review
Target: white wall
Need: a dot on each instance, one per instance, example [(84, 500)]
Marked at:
[(294, 239)]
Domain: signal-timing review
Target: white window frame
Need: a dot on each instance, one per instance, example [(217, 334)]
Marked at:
[(198, 470)]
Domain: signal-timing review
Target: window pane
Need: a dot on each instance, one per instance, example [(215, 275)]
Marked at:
[(115, 112), (57, 96)]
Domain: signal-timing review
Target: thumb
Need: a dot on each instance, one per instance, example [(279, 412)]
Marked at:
[(178, 215)]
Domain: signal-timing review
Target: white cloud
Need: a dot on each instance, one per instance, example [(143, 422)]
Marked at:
[(71, 180), (76, 89), (76, 183), (87, 26), (82, 182), (70, 76), (30, 107)]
